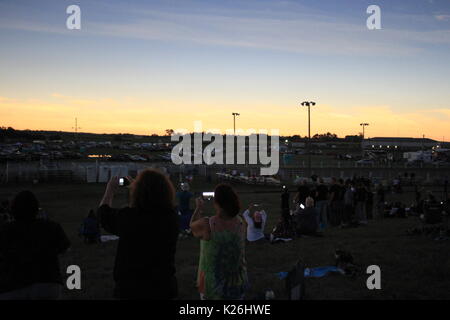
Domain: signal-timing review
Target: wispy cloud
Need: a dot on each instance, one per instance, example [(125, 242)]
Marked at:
[(302, 32), (442, 17)]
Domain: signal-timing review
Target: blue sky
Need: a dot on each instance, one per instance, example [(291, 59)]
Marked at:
[(180, 61)]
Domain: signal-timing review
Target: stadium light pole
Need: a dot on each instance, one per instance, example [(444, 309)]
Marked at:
[(234, 121), (309, 104), (363, 125)]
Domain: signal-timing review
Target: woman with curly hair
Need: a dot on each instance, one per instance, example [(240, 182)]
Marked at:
[(148, 232)]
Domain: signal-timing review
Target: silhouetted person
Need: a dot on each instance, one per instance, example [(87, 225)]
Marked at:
[(285, 203), (184, 206), (369, 201), (445, 188), (349, 203), (29, 249), (90, 229), (148, 230), (306, 219), (336, 197), (432, 210), (360, 203), (381, 196), (321, 197), (302, 193)]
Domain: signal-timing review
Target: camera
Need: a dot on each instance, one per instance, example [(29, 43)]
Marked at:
[(123, 182), (208, 195)]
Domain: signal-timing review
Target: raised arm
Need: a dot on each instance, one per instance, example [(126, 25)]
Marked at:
[(107, 215), (110, 191), (198, 224)]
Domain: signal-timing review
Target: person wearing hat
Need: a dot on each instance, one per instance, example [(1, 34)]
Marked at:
[(256, 221)]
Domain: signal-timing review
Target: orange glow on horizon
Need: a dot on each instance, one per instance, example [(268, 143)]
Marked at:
[(147, 117)]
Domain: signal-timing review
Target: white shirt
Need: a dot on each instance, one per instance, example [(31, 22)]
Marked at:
[(253, 233)]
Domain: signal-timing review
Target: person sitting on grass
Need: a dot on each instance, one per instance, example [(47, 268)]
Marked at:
[(29, 250), (306, 219), (282, 232), (256, 221), (90, 228), (148, 233), (222, 270)]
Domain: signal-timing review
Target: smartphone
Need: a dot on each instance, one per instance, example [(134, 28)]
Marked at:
[(208, 195), (123, 182)]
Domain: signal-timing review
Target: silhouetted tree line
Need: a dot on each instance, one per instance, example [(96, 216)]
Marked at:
[(25, 135)]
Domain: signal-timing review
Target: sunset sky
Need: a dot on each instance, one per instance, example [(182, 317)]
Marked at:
[(145, 66)]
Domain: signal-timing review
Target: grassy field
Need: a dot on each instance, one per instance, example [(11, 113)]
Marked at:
[(411, 267)]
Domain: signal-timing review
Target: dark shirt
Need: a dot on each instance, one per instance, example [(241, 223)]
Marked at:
[(322, 192), (285, 200), (29, 253), (380, 194), (307, 221), (145, 259), (90, 226), (369, 197), (360, 195), (303, 193), (184, 198), (341, 193), (335, 190)]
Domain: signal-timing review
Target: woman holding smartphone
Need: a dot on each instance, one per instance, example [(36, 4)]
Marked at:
[(148, 231), (222, 272)]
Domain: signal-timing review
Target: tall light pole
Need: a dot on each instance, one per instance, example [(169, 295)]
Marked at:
[(234, 121), (309, 104), (363, 125)]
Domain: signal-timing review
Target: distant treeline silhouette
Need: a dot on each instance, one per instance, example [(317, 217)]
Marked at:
[(30, 135), (11, 133)]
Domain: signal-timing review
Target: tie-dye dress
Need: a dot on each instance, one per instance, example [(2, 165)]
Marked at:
[(222, 272)]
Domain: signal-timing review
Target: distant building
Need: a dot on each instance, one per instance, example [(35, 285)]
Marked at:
[(353, 138), (399, 143)]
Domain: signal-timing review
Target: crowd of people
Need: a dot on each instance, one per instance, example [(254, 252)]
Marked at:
[(148, 229)]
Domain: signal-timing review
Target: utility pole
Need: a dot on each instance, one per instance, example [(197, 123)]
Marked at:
[(76, 128)]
